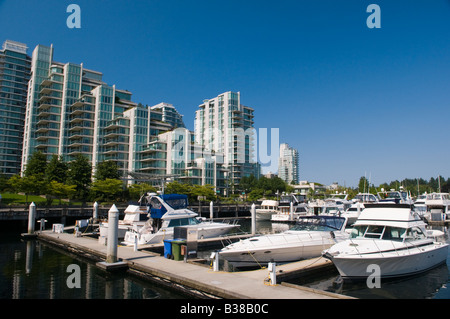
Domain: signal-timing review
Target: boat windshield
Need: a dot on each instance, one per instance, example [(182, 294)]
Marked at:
[(177, 203), (378, 232), (183, 222), (319, 223)]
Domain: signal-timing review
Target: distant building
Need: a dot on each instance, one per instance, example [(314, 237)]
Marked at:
[(224, 125), (270, 175), (169, 114), (288, 164), (15, 66)]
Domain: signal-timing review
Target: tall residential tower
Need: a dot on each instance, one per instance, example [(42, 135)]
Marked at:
[(224, 125), (71, 111), (14, 76), (288, 164)]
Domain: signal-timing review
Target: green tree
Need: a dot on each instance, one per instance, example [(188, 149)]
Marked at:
[(247, 183), (206, 191), (107, 189), (176, 187), (27, 184), (79, 174), (363, 184), (255, 195), (56, 170), (36, 165), (107, 169), (60, 190)]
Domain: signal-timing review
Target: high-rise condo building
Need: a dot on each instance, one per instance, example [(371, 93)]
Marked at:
[(288, 164), (71, 111), (224, 125), (15, 67)]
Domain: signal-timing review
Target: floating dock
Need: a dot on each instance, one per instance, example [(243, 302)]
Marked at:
[(199, 280)]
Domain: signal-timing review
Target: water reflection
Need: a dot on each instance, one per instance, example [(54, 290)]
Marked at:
[(33, 270)]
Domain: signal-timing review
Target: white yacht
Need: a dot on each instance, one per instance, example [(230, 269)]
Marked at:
[(267, 209), (438, 207), (366, 198), (356, 208), (306, 239), (391, 236), (285, 214), (393, 196), (165, 217), (335, 205), (353, 213), (135, 216), (420, 207), (290, 207)]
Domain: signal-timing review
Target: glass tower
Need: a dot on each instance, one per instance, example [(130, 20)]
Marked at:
[(15, 67), (71, 111)]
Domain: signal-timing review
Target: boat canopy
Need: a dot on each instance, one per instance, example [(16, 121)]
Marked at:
[(319, 223), (176, 201), (159, 205)]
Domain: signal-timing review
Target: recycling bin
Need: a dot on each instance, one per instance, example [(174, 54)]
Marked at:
[(176, 248), (168, 248)]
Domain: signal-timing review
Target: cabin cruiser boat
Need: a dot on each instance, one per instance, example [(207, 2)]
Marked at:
[(419, 205), (353, 212), (304, 240), (164, 217), (391, 236), (366, 198), (135, 216), (438, 207), (396, 197), (335, 205), (290, 215), (289, 208), (267, 209)]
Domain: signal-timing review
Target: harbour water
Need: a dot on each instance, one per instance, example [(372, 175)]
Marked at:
[(34, 270)]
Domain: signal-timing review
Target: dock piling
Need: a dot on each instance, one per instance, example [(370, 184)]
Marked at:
[(113, 224), (211, 210), (95, 213), (31, 218), (272, 272), (253, 212), (291, 212)]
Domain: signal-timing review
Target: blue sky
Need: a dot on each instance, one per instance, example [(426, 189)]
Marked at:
[(352, 100)]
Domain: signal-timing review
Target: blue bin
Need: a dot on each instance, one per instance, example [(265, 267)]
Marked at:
[(168, 248)]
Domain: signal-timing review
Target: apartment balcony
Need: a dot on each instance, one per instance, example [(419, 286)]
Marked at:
[(82, 110), (115, 142), (45, 106), (47, 82)]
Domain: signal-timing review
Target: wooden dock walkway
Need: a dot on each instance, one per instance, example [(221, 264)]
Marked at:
[(228, 285)]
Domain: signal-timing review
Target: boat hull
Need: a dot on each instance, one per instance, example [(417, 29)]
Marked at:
[(391, 264), (205, 231), (264, 214), (285, 250)]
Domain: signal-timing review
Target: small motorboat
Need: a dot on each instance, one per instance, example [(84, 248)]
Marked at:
[(164, 217), (307, 239)]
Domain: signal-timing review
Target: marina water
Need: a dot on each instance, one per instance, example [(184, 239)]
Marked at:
[(34, 270)]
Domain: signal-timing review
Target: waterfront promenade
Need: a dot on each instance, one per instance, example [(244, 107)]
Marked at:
[(228, 285)]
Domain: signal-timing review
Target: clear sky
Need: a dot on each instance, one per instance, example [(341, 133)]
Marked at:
[(352, 100)]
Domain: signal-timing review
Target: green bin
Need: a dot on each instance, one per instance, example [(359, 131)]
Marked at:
[(176, 248)]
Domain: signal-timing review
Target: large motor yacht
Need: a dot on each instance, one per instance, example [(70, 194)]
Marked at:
[(391, 236)]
